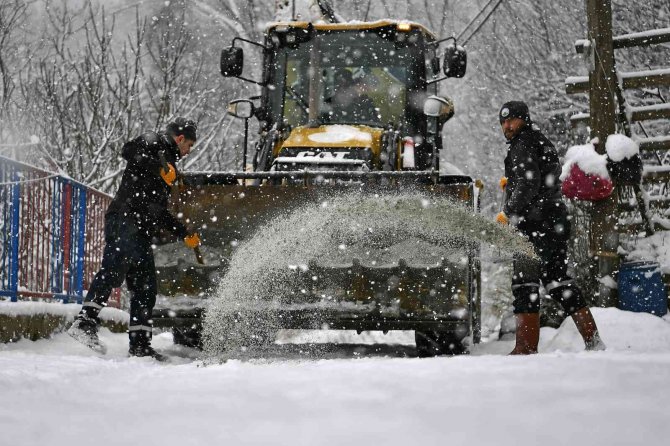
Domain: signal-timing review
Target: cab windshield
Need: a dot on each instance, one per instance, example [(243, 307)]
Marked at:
[(347, 77)]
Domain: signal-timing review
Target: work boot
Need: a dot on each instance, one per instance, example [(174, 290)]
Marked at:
[(527, 333), (85, 330), (587, 328), (144, 350)]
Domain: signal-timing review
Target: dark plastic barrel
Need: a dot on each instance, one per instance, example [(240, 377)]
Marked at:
[(641, 288)]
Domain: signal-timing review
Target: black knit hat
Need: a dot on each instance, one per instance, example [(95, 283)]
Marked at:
[(514, 109), (183, 126)]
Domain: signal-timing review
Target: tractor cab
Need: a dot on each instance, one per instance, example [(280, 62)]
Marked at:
[(354, 92)]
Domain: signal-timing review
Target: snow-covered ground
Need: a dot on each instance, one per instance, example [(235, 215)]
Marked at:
[(56, 392)]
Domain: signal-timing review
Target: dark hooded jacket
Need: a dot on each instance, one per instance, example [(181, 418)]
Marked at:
[(143, 195), (532, 169)]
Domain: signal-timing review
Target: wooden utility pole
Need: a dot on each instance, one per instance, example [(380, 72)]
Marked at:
[(602, 96)]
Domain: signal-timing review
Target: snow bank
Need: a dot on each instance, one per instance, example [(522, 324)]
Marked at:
[(60, 391), (68, 311), (622, 331), (588, 160)]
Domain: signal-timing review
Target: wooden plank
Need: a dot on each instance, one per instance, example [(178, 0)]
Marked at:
[(580, 119), (642, 38), (648, 78), (648, 112), (653, 177), (636, 228), (630, 40), (637, 114), (660, 203), (639, 79), (577, 84), (657, 143)]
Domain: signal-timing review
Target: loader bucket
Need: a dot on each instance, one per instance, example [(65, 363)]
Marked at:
[(228, 211)]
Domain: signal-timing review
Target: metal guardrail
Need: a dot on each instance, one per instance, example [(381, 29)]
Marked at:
[(51, 234)]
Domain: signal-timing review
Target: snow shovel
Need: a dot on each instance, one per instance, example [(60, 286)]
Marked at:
[(175, 189)]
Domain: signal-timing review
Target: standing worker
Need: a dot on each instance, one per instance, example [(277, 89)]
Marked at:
[(138, 213), (534, 202)]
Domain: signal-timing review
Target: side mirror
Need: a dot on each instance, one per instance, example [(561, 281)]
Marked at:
[(455, 61), (438, 107), (232, 62), (241, 108)]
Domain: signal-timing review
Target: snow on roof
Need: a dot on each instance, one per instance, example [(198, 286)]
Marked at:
[(586, 157), (619, 147)]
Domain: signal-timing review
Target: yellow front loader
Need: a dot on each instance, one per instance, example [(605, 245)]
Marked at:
[(344, 110)]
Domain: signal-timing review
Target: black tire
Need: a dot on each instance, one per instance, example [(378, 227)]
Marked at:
[(436, 343), (189, 337)]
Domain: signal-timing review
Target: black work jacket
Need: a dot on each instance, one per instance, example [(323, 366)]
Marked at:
[(532, 169), (143, 195)]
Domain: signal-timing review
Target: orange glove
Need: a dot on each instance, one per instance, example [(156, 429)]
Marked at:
[(502, 218), (170, 176), (503, 183), (192, 240)]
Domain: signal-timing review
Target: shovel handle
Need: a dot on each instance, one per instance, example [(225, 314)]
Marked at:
[(198, 255), (196, 250)]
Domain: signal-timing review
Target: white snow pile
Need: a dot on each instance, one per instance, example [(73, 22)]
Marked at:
[(621, 330), (620, 147), (588, 160), (68, 311), (375, 229)]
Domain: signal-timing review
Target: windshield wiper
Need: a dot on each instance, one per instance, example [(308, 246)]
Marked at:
[(298, 99)]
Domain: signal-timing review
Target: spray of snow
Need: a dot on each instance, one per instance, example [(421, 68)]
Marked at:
[(377, 229)]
